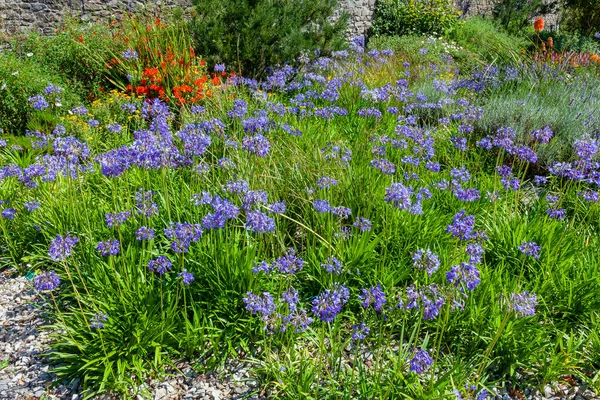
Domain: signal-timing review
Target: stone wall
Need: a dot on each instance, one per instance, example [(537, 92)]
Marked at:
[(45, 15)]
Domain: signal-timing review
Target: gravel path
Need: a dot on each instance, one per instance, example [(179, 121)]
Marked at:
[(24, 373)]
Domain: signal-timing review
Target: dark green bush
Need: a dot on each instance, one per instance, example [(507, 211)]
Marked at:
[(19, 80), (250, 35), (582, 16), (402, 17), (565, 42), (516, 15)]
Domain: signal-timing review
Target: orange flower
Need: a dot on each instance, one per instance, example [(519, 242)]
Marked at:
[(150, 72), (595, 58), (538, 25), (550, 42)]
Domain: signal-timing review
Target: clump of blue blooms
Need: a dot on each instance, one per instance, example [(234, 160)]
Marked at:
[(61, 247), (46, 281)]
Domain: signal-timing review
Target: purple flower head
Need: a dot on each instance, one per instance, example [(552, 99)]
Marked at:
[(239, 110), (332, 265), (160, 264), (62, 247), (117, 219), (253, 197), (109, 247), (277, 208), (237, 187), (369, 112), (420, 361), (426, 260), (363, 224), (399, 196), (9, 213), (464, 274), (360, 331), (94, 123), (98, 320), (258, 221), (461, 174), (289, 263), (197, 110), (322, 206), (144, 204), (530, 249), (326, 182), (586, 149), (374, 296), (299, 319), (384, 166), (31, 206), (144, 233), (257, 304), (186, 277), (182, 235), (38, 102), (291, 297), (80, 110), (262, 267), (485, 143), (329, 303), (130, 54), (540, 180), (523, 303), (475, 251), (462, 226), (589, 195), (556, 213), (46, 281), (219, 68), (341, 212), (52, 89), (543, 135), (195, 139), (460, 143), (114, 128), (224, 210)]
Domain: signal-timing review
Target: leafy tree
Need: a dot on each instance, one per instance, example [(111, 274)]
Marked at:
[(250, 35)]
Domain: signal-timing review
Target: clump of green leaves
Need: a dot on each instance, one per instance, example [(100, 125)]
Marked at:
[(20, 78), (402, 17), (582, 16), (248, 36), (516, 15), (68, 54)]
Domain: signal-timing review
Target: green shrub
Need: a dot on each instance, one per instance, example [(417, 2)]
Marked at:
[(566, 42), (481, 37), (582, 16), (19, 80), (71, 54), (402, 17), (250, 35), (516, 15)]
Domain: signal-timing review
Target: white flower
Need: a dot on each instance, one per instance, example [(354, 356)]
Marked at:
[(15, 73), (29, 54)]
